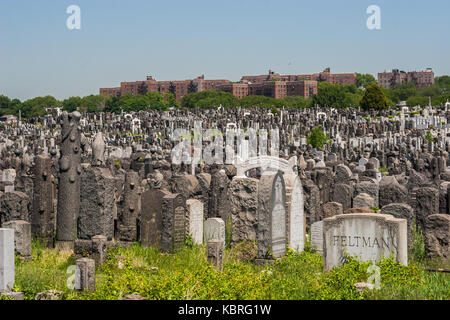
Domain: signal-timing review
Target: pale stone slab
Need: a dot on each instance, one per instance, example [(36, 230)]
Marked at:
[(195, 220), (317, 236), (7, 271), (367, 236), (296, 219), (214, 229)]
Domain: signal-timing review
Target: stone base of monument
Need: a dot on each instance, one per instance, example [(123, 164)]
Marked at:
[(64, 245), (12, 295), (263, 262), (26, 258)]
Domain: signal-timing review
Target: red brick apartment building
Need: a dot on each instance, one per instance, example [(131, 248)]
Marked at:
[(326, 75), (271, 85), (420, 78), (178, 87)]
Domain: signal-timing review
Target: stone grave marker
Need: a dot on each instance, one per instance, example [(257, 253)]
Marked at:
[(367, 236), (271, 215)]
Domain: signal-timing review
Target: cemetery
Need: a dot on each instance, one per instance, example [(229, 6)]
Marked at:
[(226, 203)]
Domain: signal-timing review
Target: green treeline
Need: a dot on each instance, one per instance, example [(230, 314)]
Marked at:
[(366, 93)]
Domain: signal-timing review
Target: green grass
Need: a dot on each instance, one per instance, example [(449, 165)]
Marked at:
[(187, 275)]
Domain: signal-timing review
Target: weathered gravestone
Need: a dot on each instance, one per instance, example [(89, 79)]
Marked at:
[(331, 209), (243, 195), (22, 237), (85, 274), (426, 203), (97, 203), (173, 222), (437, 236), (296, 220), (194, 220), (127, 225), (43, 217), (151, 218), (69, 180), (402, 211), (317, 236), (369, 237), (214, 251), (214, 229), (7, 271), (271, 215)]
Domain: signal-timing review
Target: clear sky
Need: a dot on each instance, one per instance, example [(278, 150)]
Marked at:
[(180, 39)]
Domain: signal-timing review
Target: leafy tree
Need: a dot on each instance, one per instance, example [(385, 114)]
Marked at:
[(330, 95), (364, 80), (260, 101), (113, 105), (93, 103), (212, 97), (401, 92), (71, 104), (156, 101), (170, 100), (414, 101), (36, 107), (374, 98), (297, 102), (317, 137)]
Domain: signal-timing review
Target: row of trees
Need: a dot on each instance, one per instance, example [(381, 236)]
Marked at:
[(38, 106), (366, 93)]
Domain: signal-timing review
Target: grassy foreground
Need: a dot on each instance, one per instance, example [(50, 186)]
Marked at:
[(187, 275)]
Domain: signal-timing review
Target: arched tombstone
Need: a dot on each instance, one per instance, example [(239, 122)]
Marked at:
[(271, 216), (295, 219)]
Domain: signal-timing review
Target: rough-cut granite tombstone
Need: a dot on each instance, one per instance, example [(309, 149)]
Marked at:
[(43, 217), (331, 209), (368, 236), (7, 271), (173, 222), (363, 200), (69, 180), (437, 236), (391, 191), (243, 206), (372, 189), (14, 206), (97, 203), (271, 215), (402, 211), (342, 193), (295, 219), (427, 203)]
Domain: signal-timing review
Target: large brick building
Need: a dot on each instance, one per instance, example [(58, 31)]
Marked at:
[(326, 75), (177, 87), (419, 78), (272, 85), (273, 88)]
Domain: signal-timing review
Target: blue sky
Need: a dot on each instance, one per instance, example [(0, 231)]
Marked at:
[(177, 39)]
